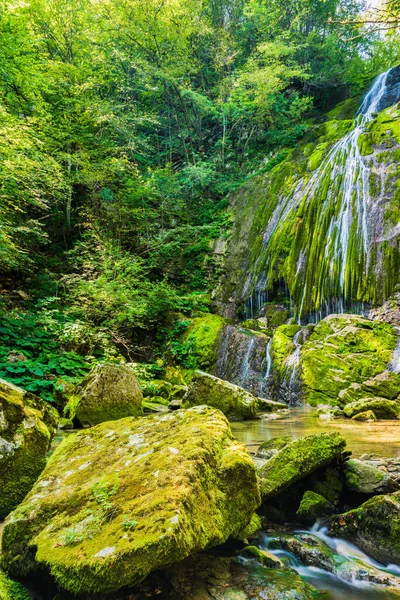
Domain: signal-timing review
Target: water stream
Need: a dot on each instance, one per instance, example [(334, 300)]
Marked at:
[(348, 215), (349, 581)]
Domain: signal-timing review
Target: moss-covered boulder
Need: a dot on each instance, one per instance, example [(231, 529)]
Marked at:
[(270, 447), (374, 527), (127, 497), (343, 349), (232, 400), (265, 405), (27, 426), (313, 507), (107, 393), (383, 385), (364, 478), (297, 460), (11, 590), (382, 408), (367, 415)]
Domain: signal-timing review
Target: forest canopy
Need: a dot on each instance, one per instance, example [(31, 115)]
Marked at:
[(124, 126)]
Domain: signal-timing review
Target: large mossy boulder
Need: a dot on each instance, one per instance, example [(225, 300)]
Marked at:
[(130, 496), (343, 349), (374, 527), (297, 460), (382, 408), (232, 400), (364, 478), (384, 385), (27, 426), (107, 393)]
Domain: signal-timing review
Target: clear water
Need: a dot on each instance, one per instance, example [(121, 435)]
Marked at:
[(381, 438)]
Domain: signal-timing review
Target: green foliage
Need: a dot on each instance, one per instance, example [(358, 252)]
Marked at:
[(31, 355), (119, 145)]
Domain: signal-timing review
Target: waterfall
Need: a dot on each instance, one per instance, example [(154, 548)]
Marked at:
[(244, 359), (268, 360), (394, 364), (338, 219)]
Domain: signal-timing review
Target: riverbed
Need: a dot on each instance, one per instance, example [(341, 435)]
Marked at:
[(381, 438)]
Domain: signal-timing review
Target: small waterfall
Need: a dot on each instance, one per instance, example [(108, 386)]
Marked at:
[(244, 359), (291, 385), (394, 364), (245, 371), (268, 360)]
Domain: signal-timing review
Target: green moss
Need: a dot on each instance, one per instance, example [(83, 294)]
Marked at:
[(232, 400), (367, 415), (313, 507), (109, 392), (343, 350), (374, 527), (11, 590), (181, 477), (364, 478), (202, 336), (297, 460), (28, 425), (382, 408)]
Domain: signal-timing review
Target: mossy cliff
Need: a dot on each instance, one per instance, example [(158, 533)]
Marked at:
[(343, 350), (287, 223), (126, 497), (27, 426)]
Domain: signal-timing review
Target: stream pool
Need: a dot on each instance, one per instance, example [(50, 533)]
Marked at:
[(382, 439)]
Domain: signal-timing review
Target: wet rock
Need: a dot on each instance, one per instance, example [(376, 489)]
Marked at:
[(389, 312), (367, 415), (313, 552), (263, 557), (307, 548), (127, 497), (314, 507), (384, 385), (297, 460), (382, 408), (27, 426), (107, 393), (232, 400), (373, 527), (269, 405), (270, 447), (342, 350), (242, 357), (364, 478)]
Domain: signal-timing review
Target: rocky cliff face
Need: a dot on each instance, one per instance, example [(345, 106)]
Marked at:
[(323, 225)]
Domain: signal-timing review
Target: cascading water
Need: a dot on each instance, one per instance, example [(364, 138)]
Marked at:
[(394, 364), (337, 218), (244, 359)]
